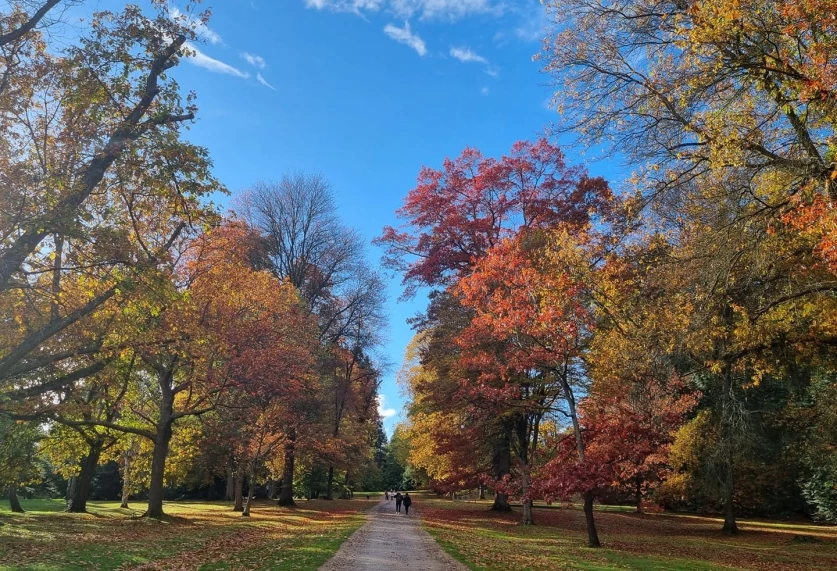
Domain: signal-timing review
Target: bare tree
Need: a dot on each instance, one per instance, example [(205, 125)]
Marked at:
[(306, 242)]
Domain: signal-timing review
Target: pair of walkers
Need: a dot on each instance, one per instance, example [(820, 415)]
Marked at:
[(406, 500)]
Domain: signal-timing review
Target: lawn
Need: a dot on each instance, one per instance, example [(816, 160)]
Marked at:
[(195, 535), (488, 541)]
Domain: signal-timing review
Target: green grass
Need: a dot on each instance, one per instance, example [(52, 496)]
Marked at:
[(484, 540), (194, 535)]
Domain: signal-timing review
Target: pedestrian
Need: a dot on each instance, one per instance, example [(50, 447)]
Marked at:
[(407, 501), (386, 495), (398, 499)]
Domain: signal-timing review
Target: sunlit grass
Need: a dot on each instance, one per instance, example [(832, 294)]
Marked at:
[(490, 541), (194, 535)]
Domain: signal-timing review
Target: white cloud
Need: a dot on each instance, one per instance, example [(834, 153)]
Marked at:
[(382, 410), (356, 6), (467, 55), (444, 9), (254, 60), (427, 9), (200, 59), (264, 82), (202, 31), (406, 36), (485, 91)]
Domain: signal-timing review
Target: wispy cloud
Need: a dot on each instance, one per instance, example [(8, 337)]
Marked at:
[(356, 6), (200, 59), (407, 37), (382, 410), (467, 55), (202, 31), (485, 91), (254, 60), (426, 9), (264, 82)]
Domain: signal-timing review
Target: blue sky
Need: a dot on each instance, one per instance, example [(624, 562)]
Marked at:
[(364, 92)]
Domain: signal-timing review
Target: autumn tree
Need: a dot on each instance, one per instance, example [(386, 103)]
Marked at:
[(455, 215), (305, 242), (96, 130), (727, 111)]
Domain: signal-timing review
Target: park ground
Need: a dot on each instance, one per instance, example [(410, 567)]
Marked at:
[(210, 536), (672, 542)]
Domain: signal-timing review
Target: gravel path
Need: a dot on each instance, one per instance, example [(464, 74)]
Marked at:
[(390, 540)]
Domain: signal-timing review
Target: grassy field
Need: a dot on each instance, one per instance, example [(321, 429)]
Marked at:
[(196, 535), (488, 541)]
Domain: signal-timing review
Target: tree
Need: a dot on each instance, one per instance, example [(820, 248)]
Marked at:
[(18, 447), (454, 216), (307, 244), (97, 136)]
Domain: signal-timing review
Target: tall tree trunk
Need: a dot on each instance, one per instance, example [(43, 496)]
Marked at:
[(638, 495), (330, 482), (71, 490), (501, 466), (271, 489), (592, 534), (482, 492), (126, 481), (347, 488), (528, 518), (286, 494), (161, 444), (14, 503), (730, 525), (238, 490), (78, 501), (251, 492), (229, 493)]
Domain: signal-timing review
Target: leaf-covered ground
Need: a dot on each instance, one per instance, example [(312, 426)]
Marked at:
[(490, 541), (196, 535)]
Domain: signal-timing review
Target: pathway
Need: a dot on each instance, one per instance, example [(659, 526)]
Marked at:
[(389, 540)]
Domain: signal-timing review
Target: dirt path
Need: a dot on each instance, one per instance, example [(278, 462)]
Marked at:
[(390, 540)]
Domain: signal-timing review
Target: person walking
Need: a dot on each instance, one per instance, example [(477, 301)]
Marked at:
[(386, 495), (398, 499), (407, 502)]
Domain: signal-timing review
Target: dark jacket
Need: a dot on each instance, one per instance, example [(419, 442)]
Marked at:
[(408, 500), (398, 498)]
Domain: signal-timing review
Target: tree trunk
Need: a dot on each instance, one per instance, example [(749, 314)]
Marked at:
[(251, 491), (286, 494), (78, 501), (271, 489), (528, 517), (482, 492), (592, 534), (238, 492), (330, 482), (730, 525), (229, 493), (71, 489), (14, 503), (501, 466), (161, 444), (638, 495), (126, 482)]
